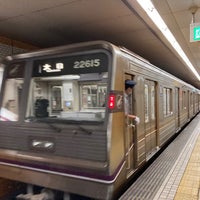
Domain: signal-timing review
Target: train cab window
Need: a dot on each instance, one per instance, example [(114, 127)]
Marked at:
[(12, 92), (167, 101), (76, 95), (67, 98)]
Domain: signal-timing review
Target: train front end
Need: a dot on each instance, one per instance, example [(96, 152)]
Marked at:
[(56, 120)]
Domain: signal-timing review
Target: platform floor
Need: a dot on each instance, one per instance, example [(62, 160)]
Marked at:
[(175, 174)]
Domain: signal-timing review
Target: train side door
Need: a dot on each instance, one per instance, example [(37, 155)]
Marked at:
[(130, 134), (150, 117), (177, 109)]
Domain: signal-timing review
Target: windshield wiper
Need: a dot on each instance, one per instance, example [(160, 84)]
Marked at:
[(88, 132), (44, 120), (57, 129)]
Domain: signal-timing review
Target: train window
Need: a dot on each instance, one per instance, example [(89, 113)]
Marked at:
[(12, 92), (167, 101), (184, 100), (93, 95), (153, 100), (76, 94), (191, 99), (146, 92), (149, 89), (67, 98), (56, 98)]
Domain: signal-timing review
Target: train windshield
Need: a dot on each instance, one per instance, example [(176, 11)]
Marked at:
[(69, 88)]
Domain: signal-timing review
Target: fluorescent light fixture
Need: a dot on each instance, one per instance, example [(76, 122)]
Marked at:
[(63, 77), (159, 22)]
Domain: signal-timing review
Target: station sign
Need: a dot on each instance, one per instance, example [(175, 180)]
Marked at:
[(195, 32)]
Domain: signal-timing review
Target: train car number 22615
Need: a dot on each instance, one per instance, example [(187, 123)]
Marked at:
[(86, 63)]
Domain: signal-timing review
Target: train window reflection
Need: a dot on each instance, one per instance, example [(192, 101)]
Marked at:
[(70, 97)]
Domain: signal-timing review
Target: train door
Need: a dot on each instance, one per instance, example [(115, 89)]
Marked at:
[(150, 117), (130, 132), (177, 109)]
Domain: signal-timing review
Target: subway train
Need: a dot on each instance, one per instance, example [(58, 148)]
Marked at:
[(62, 120)]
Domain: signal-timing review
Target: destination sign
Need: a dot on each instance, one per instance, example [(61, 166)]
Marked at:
[(77, 64)]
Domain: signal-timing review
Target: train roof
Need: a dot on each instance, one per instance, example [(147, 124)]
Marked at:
[(63, 49), (94, 45), (150, 66)]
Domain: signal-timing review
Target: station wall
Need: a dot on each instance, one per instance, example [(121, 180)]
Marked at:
[(9, 47)]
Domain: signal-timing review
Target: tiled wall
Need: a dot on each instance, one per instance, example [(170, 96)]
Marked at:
[(6, 50), (10, 47)]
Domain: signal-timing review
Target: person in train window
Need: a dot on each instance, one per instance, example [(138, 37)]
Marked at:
[(129, 84)]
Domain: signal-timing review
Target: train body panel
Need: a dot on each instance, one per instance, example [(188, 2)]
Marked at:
[(63, 124)]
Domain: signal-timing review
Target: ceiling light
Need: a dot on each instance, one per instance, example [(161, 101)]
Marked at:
[(159, 22)]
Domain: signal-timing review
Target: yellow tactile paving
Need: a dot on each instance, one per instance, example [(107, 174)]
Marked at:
[(190, 182)]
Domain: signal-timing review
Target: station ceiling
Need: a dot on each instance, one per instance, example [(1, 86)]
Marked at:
[(47, 23)]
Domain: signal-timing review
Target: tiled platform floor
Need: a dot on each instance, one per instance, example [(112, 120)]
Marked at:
[(190, 183), (175, 174)]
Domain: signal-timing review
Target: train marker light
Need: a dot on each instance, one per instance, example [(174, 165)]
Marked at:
[(111, 102)]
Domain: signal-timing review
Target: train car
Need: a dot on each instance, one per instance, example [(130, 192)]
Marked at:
[(62, 120)]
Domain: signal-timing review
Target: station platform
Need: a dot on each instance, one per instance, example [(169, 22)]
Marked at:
[(175, 174)]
